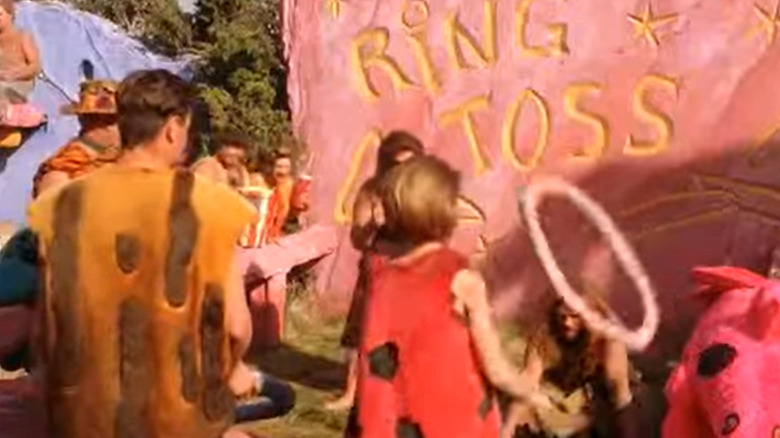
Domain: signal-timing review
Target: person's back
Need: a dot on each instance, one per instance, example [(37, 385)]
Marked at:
[(145, 318), (135, 309), (416, 343)]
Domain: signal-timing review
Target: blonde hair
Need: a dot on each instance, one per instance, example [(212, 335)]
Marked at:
[(419, 199)]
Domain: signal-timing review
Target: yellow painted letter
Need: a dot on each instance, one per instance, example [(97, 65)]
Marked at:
[(368, 50), (465, 114), (343, 208), (510, 126), (646, 112), (456, 34), (417, 35), (556, 34), (571, 102)]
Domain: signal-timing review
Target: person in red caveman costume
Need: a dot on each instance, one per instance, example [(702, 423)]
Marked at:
[(396, 148), (429, 351), (727, 382)]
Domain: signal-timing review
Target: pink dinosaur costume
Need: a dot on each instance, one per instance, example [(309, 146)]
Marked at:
[(728, 382)]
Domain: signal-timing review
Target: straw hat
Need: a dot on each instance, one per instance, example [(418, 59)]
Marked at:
[(95, 97)]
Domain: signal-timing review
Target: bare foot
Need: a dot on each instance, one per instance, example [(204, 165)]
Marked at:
[(341, 404)]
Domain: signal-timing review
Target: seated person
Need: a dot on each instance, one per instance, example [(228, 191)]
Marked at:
[(585, 375), (226, 166), (260, 396), (19, 58), (96, 145)]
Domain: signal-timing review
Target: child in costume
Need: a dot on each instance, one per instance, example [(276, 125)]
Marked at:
[(396, 148), (429, 354)]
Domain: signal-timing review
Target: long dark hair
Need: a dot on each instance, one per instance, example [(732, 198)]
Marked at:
[(569, 364), (392, 145)]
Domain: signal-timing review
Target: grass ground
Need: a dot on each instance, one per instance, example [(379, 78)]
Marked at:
[(312, 361)]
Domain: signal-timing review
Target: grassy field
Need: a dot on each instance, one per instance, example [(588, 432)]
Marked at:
[(311, 360)]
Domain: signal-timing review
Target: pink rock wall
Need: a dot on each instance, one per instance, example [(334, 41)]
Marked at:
[(663, 110)]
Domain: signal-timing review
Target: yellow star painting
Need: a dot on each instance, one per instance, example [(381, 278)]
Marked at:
[(646, 24), (769, 21)]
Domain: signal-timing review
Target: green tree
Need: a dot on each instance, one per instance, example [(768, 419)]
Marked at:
[(160, 24), (236, 49), (240, 70)]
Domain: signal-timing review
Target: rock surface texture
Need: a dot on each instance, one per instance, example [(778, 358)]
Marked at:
[(665, 111)]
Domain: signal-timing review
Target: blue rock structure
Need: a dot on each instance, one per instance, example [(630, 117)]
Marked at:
[(66, 38)]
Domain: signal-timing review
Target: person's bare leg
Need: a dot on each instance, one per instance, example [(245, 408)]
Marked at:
[(348, 399)]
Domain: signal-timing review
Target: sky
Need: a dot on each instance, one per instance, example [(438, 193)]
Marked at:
[(187, 5)]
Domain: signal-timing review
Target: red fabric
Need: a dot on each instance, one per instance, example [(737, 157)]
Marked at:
[(436, 385)]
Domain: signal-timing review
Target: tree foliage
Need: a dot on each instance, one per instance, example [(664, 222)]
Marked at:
[(160, 24), (237, 56)]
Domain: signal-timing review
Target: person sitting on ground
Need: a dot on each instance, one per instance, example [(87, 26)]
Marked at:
[(96, 145), (159, 356), (227, 165), (395, 148), (429, 351), (586, 376), (20, 61)]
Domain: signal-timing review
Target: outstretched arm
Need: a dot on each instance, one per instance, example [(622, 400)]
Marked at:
[(239, 317), (617, 370), (471, 301), (520, 413)]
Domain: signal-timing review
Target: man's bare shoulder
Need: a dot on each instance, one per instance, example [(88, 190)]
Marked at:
[(222, 197)]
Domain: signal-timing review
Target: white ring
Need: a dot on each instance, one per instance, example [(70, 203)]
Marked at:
[(637, 339)]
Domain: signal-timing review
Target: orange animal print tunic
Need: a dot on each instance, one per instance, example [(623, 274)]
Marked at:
[(135, 332), (73, 160)]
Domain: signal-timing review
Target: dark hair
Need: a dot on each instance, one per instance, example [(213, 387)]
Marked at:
[(146, 99), (569, 362), (234, 139), (392, 145), (282, 152), (419, 199)]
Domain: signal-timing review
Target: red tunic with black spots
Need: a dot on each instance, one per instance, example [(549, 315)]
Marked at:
[(419, 375)]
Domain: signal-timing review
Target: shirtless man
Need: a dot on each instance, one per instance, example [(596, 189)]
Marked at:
[(97, 142), (226, 166), (19, 58)]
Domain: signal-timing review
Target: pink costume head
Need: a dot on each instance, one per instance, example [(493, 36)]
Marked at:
[(727, 382)]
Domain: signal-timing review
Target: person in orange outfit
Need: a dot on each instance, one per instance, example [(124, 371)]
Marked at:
[(96, 144), (161, 354)]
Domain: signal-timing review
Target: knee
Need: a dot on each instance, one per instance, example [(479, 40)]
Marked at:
[(287, 398), (282, 394)]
